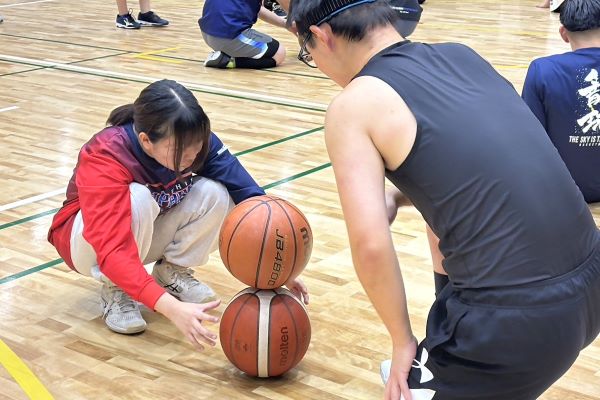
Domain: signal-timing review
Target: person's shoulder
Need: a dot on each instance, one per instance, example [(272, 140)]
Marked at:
[(454, 47), (555, 59), (109, 138), (551, 64), (361, 95)]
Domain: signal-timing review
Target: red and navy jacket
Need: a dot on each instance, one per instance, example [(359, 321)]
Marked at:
[(99, 187)]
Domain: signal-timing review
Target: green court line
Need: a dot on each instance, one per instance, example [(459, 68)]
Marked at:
[(67, 43), (239, 153), (22, 72), (106, 75), (157, 55), (30, 271), (60, 260), (262, 146), (300, 175), (69, 63), (30, 218)]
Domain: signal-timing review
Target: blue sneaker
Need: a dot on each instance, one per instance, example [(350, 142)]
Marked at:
[(151, 19), (127, 22)]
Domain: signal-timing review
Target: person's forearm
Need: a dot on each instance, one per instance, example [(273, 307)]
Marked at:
[(271, 18), (378, 271), (166, 305)]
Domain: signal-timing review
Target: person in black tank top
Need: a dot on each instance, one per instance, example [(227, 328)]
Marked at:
[(506, 222)]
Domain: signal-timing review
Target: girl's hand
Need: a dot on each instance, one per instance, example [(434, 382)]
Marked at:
[(189, 318), (298, 288)]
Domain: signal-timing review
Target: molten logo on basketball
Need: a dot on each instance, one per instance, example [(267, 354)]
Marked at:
[(277, 263), (306, 240), (283, 347)]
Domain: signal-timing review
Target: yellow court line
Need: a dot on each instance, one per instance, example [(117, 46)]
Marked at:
[(153, 58), (150, 55), (22, 374)]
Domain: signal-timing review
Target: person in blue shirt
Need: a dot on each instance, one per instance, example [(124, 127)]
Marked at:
[(226, 27), (563, 91)]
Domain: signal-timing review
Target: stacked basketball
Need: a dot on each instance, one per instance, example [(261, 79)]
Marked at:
[(265, 330)]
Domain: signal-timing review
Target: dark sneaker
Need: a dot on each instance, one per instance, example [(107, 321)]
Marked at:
[(279, 11), (268, 4), (151, 19), (127, 22), (218, 59), (1, 18)]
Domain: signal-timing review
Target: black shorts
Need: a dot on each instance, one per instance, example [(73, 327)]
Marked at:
[(507, 343)]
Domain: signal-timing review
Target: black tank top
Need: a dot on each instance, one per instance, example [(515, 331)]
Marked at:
[(482, 171)]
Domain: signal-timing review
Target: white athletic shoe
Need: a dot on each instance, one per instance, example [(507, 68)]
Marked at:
[(121, 313), (217, 59), (180, 282)]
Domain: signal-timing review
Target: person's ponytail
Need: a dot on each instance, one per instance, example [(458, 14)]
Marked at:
[(121, 115)]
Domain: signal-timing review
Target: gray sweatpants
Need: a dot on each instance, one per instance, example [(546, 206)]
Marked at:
[(184, 236)]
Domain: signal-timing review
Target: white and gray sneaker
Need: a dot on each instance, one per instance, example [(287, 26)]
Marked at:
[(180, 282), (384, 370), (121, 313)]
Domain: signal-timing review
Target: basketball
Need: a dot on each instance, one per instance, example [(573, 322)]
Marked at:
[(264, 240), (265, 333)]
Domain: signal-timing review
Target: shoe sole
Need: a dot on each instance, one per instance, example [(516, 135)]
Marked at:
[(127, 27), (129, 331), (143, 23)]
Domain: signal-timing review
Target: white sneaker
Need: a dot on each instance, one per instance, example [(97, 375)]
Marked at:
[(180, 282), (384, 370), (121, 313), (217, 59)]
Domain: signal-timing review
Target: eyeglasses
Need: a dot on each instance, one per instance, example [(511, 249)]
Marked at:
[(304, 54), (328, 10)]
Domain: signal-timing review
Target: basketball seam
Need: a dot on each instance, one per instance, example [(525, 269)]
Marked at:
[(251, 295), (262, 248), (269, 335), (237, 225)]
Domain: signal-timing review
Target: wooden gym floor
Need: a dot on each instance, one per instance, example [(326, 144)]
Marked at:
[(64, 66)]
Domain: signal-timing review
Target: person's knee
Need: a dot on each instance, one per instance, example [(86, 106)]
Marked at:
[(213, 195), (143, 204), (279, 56)]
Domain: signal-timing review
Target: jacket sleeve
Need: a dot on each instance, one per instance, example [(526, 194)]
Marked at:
[(224, 167), (104, 196), (533, 95)]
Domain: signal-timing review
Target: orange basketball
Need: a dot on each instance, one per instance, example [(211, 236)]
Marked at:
[(265, 332), (264, 240)]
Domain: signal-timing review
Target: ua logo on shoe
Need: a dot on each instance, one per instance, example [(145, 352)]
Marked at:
[(426, 374)]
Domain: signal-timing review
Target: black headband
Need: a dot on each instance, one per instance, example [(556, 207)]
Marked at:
[(330, 8), (408, 13)]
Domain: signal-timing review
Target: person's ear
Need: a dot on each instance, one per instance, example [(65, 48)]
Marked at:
[(145, 141), (323, 35), (564, 33)]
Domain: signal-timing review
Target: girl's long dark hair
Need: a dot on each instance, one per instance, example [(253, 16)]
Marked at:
[(166, 108)]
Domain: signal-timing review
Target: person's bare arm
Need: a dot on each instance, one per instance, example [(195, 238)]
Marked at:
[(352, 136), (271, 18)]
